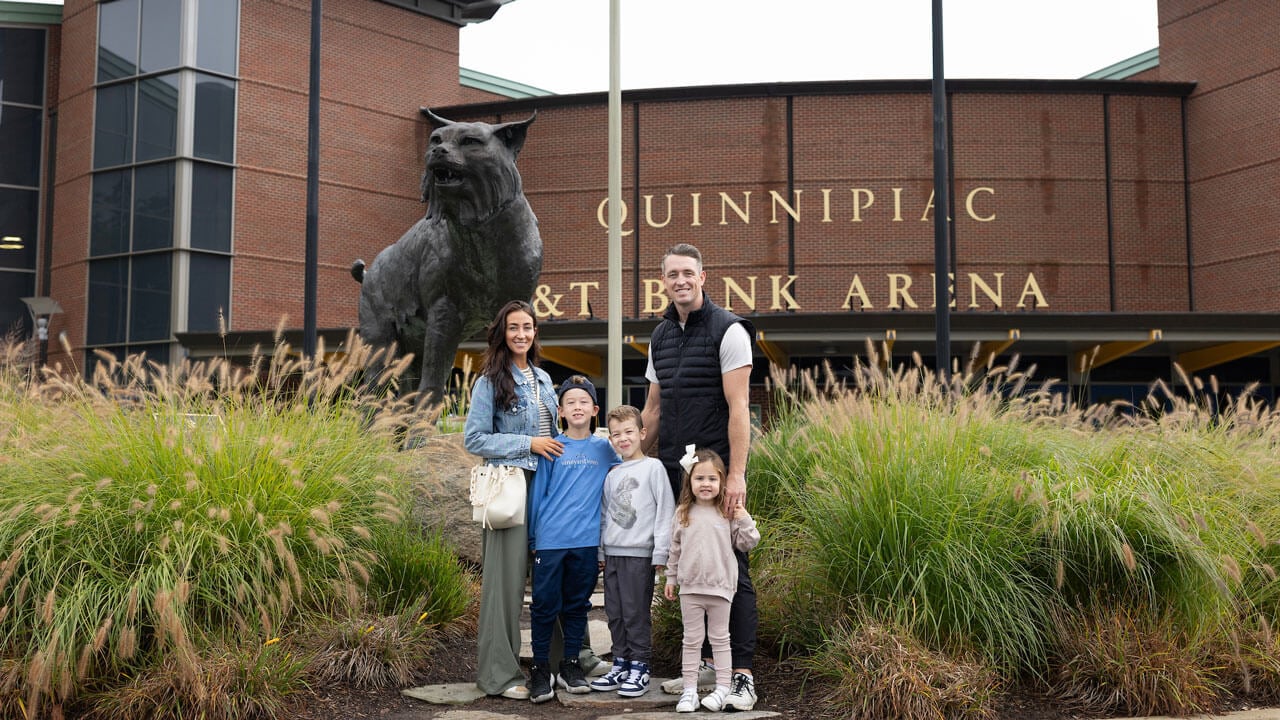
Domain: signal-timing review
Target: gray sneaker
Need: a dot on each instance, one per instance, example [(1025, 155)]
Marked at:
[(706, 681), (742, 695)]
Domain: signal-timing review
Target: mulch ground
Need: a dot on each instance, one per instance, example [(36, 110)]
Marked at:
[(782, 688)]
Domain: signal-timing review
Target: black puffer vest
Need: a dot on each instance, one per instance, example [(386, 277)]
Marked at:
[(687, 363)]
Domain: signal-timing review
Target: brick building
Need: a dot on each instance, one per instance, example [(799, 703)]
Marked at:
[(1104, 228)]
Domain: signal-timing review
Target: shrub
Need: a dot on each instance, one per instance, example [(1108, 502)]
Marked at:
[(1132, 661), (881, 672), (979, 515), (225, 683), (148, 517)]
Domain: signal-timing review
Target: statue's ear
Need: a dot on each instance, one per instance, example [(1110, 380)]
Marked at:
[(512, 134), (436, 121)]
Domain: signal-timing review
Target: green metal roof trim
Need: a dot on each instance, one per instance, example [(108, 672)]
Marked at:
[(498, 86), (33, 13), (1127, 68)]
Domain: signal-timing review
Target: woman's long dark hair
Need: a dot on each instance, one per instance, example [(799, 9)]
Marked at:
[(497, 356)]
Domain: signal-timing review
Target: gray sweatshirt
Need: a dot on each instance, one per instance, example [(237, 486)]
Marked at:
[(635, 518), (701, 560)]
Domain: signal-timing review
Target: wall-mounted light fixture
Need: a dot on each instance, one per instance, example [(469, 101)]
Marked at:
[(11, 242)]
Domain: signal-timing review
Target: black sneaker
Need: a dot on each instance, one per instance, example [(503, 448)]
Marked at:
[(572, 679), (541, 684)]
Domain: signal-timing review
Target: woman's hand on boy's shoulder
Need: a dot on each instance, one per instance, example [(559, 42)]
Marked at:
[(547, 447)]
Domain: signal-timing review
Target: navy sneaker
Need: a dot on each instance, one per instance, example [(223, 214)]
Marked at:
[(636, 682), (612, 680)]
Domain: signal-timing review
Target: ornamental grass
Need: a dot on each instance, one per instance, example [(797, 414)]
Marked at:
[(987, 517), (167, 534)]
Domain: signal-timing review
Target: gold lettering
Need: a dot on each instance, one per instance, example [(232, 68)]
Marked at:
[(951, 288), (1032, 288), (648, 212), (859, 207), (778, 200), (897, 204), (899, 292), (622, 216), (928, 207), (544, 303), (584, 306), (730, 286), (855, 288), (826, 204), (743, 212), (697, 207), (655, 298), (782, 292), (976, 283), (968, 204)]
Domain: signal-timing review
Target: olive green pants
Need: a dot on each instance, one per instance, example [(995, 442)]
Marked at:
[(505, 567)]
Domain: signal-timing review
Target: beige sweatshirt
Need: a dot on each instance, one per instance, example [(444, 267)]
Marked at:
[(701, 560)]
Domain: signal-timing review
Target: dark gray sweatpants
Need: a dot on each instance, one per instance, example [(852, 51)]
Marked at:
[(628, 599)]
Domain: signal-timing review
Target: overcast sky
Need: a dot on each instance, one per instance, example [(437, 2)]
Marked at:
[(563, 45)]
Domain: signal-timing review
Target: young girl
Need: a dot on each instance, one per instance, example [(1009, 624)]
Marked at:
[(704, 534)]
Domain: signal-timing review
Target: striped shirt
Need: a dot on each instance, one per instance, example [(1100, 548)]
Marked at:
[(544, 415)]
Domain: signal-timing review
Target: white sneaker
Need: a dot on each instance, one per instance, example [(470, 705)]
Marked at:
[(688, 701), (714, 701), (743, 695), (706, 681), (516, 692)]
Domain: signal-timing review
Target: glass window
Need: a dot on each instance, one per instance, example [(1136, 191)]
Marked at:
[(157, 353), (20, 137), (215, 122), (210, 284), (109, 221), (150, 287), (91, 358), (216, 39), (108, 285), (157, 117), (117, 39), (113, 126), (21, 66), (19, 218), (211, 207), (153, 207), (13, 312), (161, 35)]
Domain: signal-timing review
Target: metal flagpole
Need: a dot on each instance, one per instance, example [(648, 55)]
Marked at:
[(311, 256), (941, 205), (614, 380)]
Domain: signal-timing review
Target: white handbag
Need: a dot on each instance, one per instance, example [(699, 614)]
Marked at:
[(497, 496)]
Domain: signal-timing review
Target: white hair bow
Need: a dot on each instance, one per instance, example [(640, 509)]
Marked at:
[(690, 459)]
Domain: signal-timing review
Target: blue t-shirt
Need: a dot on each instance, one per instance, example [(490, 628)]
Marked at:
[(564, 503)]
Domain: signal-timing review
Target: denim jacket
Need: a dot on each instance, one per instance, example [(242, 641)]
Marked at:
[(501, 435)]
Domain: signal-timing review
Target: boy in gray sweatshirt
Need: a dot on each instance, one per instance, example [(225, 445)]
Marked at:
[(635, 536)]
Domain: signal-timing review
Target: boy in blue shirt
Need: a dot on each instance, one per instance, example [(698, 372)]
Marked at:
[(564, 534)]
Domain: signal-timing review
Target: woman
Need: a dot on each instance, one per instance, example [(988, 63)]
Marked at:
[(512, 420)]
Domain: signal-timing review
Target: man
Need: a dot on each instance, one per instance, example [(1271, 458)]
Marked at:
[(700, 371)]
